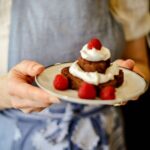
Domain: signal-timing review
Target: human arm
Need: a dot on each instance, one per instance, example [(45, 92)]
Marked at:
[(16, 90), (135, 54), (135, 20), (137, 51)]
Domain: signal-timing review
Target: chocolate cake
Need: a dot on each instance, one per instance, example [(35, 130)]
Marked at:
[(92, 74), (100, 66)]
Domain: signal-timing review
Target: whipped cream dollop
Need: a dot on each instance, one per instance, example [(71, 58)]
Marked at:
[(94, 54), (94, 77)]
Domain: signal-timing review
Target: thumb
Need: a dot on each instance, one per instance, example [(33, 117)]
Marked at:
[(129, 63), (28, 67)]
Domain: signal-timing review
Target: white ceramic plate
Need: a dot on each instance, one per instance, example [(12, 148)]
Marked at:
[(134, 85)]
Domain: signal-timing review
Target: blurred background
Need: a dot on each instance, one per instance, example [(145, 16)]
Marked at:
[(137, 121)]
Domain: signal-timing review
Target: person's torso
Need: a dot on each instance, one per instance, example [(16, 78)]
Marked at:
[(51, 31), (55, 31)]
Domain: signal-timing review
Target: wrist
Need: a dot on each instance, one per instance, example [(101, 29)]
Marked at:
[(143, 69)]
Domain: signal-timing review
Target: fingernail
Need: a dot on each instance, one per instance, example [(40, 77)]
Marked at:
[(37, 67), (54, 100)]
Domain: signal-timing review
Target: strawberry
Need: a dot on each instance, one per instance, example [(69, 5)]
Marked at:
[(107, 93), (94, 43), (87, 91), (60, 82)]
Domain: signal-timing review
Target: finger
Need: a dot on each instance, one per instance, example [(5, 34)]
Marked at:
[(28, 91), (28, 67), (135, 98), (38, 109), (19, 103), (27, 110), (129, 63), (119, 61), (121, 103), (30, 110)]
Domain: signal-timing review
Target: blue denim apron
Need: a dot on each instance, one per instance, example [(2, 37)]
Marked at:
[(50, 32)]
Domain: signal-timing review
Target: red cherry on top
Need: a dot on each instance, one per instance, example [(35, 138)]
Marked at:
[(94, 43)]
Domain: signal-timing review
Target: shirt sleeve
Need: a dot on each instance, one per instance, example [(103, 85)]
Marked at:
[(133, 15), (5, 13)]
